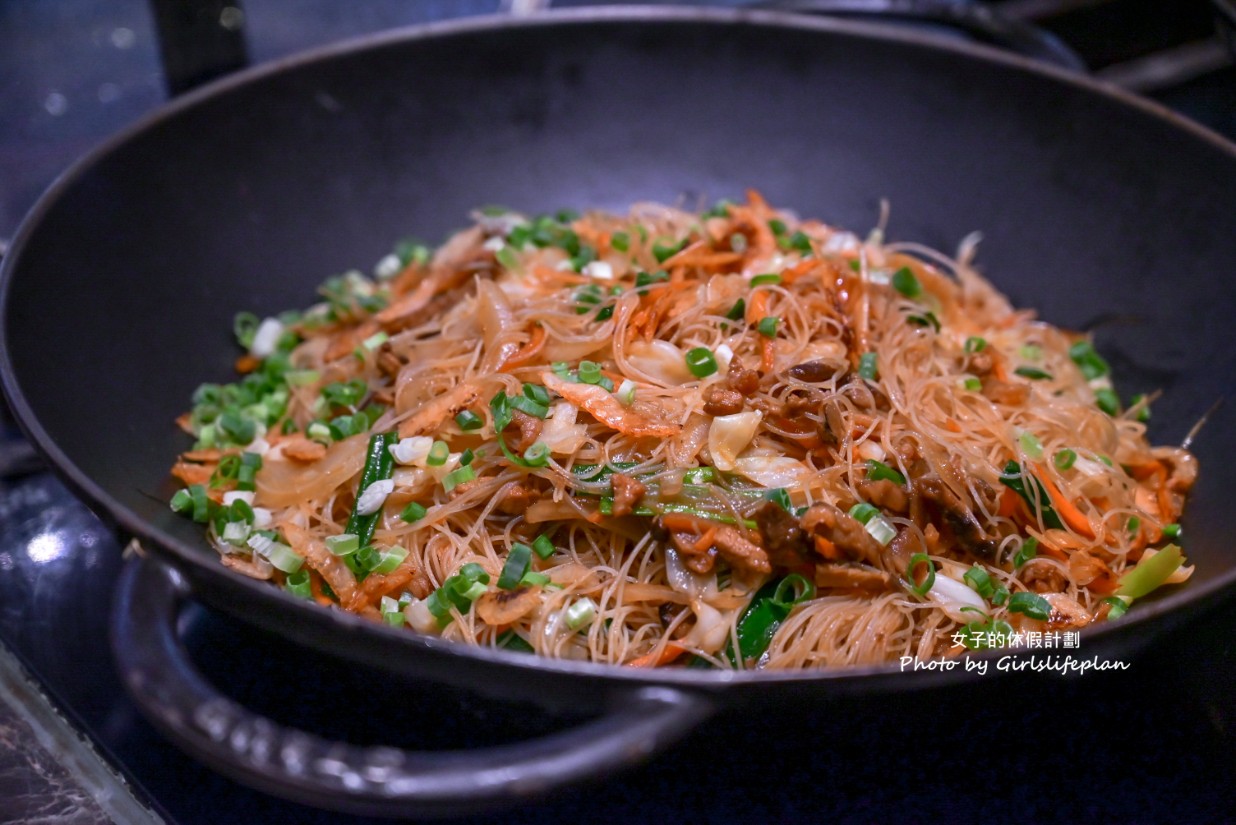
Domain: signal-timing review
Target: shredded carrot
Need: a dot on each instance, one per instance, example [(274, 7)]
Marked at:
[(658, 658), (756, 310), (827, 549), (528, 350), (1009, 500), (246, 364), (683, 522), (705, 541), (1065, 508)]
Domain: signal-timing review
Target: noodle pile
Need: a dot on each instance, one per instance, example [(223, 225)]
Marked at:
[(732, 439)]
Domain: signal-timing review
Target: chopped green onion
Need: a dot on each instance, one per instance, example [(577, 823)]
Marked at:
[(766, 278), (1029, 549), (343, 544), (378, 467), (801, 242), (580, 613), (1033, 373), (768, 326), (927, 319), (537, 455), (879, 471), (1090, 362), (589, 372), (465, 458), (781, 497), (413, 512), (980, 581), (863, 512), (277, 553), (301, 378), (474, 592), (1150, 572), (738, 242), (182, 501), (643, 280), (376, 340), (543, 546), (626, 392), (663, 252), (778, 226), (766, 612), (972, 384), (738, 310), (1107, 400), (389, 560), (438, 454), (459, 476), (700, 475), (1064, 459), (1171, 531), (1143, 411), (245, 326), (511, 640), (1000, 596), (903, 281), (1030, 352), (297, 584), (202, 505), (526, 405), (929, 579), (620, 241), (1117, 606), (1133, 525), (701, 362), (468, 420), (246, 472), (537, 393), (881, 529), (534, 579), (507, 257), (1031, 604), (392, 611), (975, 344), (517, 561), (1030, 445), (868, 367)]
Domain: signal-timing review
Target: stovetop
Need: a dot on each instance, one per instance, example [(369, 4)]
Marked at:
[(1152, 743)]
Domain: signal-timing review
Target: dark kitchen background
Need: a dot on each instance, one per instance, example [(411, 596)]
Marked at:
[(1150, 744)]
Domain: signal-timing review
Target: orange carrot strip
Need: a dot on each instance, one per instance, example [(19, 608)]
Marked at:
[(705, 541), (682, 522), (1065, 508), (659, 658), (756, 310), (528, 350), (1008, 503)]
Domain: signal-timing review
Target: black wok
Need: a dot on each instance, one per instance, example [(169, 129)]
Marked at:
[(118, 293)]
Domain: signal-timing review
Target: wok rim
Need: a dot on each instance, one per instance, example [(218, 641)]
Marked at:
[(192, 563)]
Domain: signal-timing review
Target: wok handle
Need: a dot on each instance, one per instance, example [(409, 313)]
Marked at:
[(283, 761), (978, 20)]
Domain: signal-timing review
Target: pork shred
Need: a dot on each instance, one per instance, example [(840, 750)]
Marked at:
[(523, 431), (783, 537), (846, 533), (719, 400), (627, 493)]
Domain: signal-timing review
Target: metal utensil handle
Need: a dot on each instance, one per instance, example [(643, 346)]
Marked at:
[(976, 19), (263, 754)]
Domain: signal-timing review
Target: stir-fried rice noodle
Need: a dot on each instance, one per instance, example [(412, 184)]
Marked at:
[(692, 407)]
